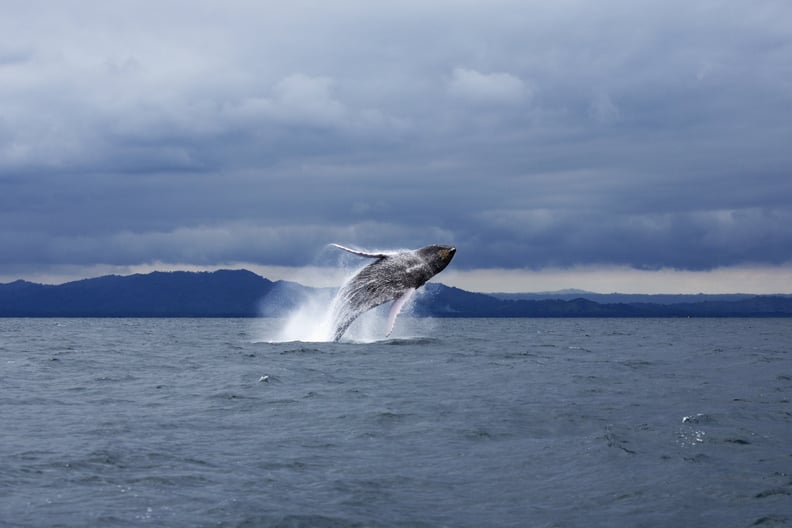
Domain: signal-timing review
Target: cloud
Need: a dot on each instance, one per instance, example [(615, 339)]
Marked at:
[(297, 99), (489, 87), (303, 101), (530, 134), (301, 98), (603, 109)]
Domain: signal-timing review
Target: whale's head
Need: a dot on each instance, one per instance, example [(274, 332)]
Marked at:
[(437, 256)]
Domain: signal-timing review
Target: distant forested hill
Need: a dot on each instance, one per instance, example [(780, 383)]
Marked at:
[(158, 294), (443, 301), (241, 293)]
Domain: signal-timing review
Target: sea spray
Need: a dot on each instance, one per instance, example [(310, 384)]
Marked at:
[(312, 321), (307, 314), (359, 310)]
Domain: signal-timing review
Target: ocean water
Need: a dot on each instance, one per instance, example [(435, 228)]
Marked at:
[(456, 422)]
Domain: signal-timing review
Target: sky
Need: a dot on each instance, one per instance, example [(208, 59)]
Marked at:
[(617, 145)]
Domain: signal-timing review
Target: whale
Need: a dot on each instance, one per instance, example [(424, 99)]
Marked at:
[(392, 277)]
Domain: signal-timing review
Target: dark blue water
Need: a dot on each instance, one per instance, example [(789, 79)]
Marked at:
[(185, 422)]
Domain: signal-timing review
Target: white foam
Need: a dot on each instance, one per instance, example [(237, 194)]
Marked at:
[(309, 322)]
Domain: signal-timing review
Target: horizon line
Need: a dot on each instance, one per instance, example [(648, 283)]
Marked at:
[(488, 281)]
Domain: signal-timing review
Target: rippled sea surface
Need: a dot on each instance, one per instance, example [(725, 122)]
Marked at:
[(466, 422)]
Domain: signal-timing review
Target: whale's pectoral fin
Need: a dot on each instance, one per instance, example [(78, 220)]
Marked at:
[(360, 252), (396, 307)]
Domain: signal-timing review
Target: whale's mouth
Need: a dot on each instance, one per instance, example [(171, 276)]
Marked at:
[(447, 253)]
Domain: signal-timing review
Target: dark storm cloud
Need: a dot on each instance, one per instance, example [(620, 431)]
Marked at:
[(535, 134)]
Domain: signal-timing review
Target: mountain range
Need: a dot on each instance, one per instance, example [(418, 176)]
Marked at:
[(242, 293)]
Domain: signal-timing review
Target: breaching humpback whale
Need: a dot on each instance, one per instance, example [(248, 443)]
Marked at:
[(392, 277)]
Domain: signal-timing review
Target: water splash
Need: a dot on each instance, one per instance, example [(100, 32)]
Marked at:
[(313, 321), (314, 315), (310, 322)]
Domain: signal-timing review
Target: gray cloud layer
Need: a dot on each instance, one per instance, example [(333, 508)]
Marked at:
[(531, 134)]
